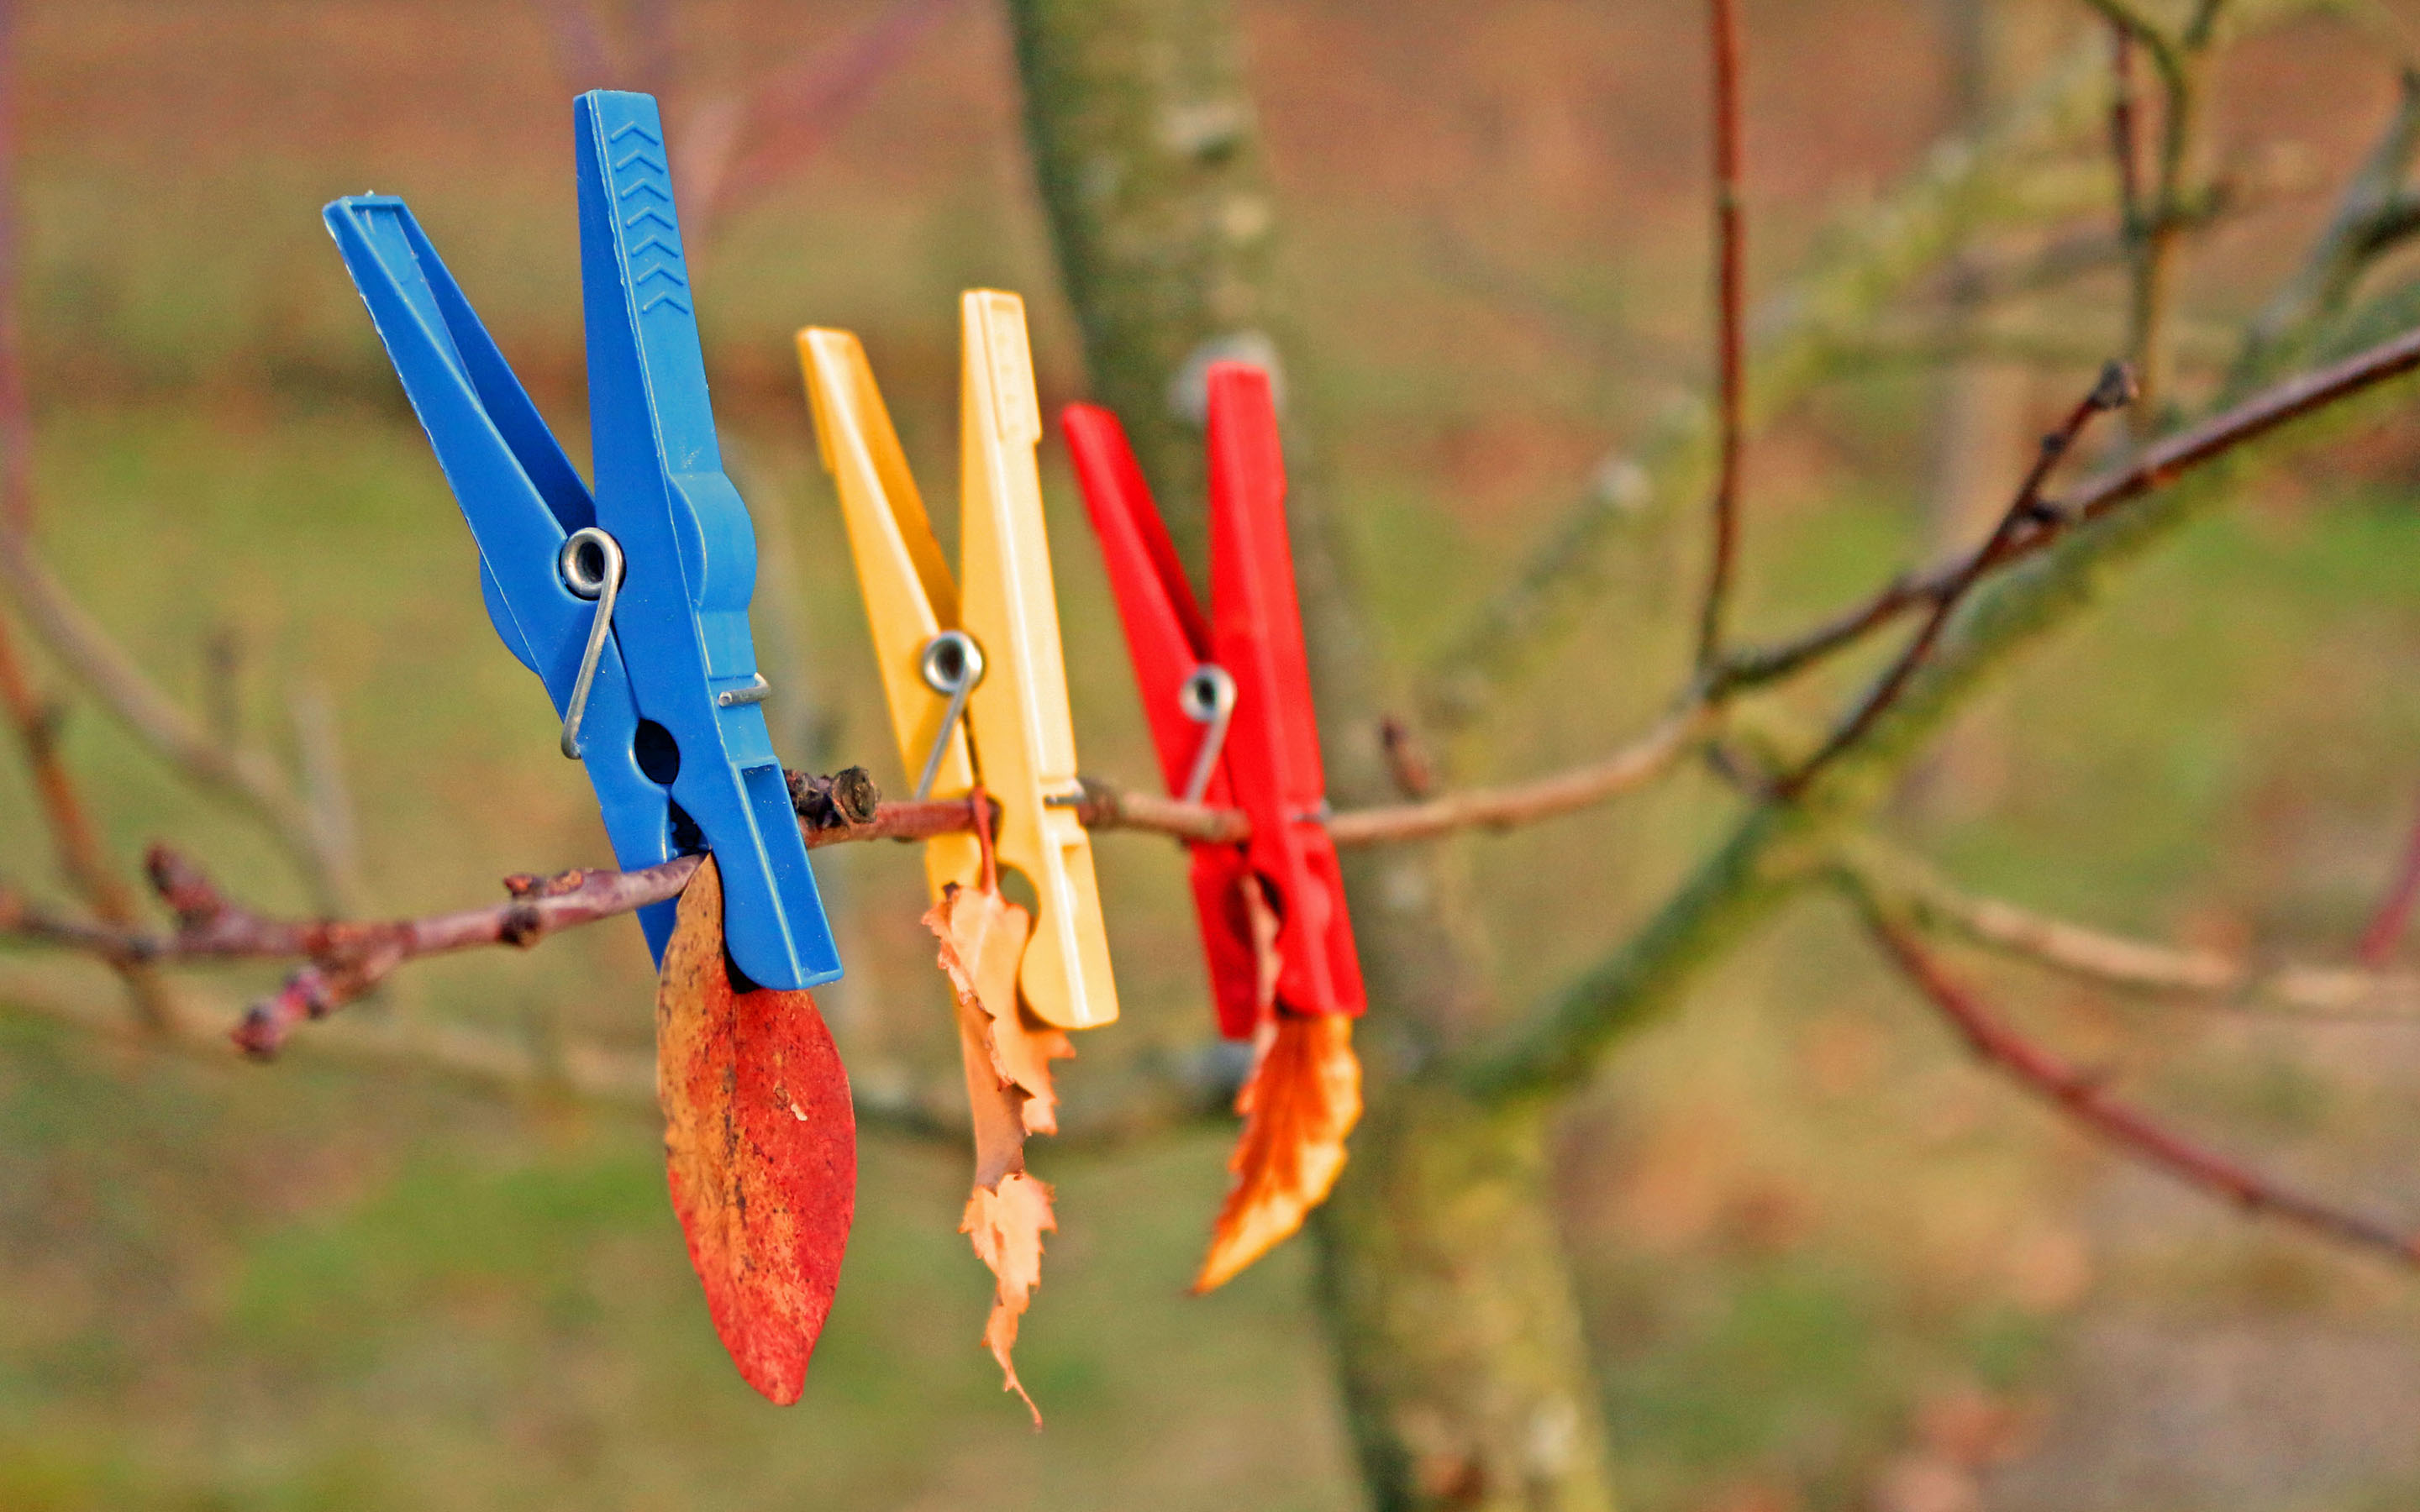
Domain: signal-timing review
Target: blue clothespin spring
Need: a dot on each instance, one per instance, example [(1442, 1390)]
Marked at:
[(631, 604)]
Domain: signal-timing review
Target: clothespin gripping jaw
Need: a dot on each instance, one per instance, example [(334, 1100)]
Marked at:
[(1024, 735), (971, 667), (525, 504), (1189, 701), (691, 552), (1273, 749), (911, 601)]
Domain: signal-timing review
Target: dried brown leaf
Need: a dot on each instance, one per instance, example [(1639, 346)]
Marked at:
[(983, 938), (1007, 1224)]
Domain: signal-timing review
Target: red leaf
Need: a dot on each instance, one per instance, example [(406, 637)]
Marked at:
[(760, 1147)]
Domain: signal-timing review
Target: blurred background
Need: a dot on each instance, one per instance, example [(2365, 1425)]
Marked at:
[(1827, 1262)]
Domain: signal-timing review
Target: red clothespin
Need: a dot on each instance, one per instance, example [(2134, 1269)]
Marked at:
[(1228, 696)]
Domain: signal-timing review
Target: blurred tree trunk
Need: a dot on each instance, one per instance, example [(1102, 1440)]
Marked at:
[(1463, 1371)]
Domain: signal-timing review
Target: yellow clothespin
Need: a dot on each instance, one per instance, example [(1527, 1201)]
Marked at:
[(987, 646)]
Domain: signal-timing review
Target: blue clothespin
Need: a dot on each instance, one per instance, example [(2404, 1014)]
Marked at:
[(632, 606)]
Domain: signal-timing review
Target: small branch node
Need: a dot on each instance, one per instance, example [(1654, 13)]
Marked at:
[(1407, 759), (844, 800)]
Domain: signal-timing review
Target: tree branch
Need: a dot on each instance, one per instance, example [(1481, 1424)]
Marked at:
[(1783, 844), (73, 839), (1171, 1090), (1792, 341), (2150, 231), (1892, 886), (104, 670), (2394, 913), (1729, 318), (2150, 469), (345, 959), (2374, 214), (2027, 514), (72, 636), (780, 125), (1625, 771), (2084, 1098)]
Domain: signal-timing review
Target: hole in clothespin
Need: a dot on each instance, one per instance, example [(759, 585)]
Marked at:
[(657, 751)]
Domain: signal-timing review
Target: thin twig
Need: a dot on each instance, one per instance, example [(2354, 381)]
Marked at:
[(344, 959), (77, 847), (73, 839), (2084, 1096), (1730, 319), (1910, 893), (2149, 469), (2122, 146), (2374, 214), (99, 667), (2151, 229), (1626, 770), (73, 636), (2027, 514), (781, 124), (2394, 915), (1794, 338), (1172, 1089)]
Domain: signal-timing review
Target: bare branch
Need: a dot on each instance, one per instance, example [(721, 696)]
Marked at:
[(1626, 770), (77, 847), (1781, 846), (2374, 214), (1166, 1091), (2149, 469), (346, 958), (2122, 137), (73, 636), (1792, 340), (2027, 514), (1731, 301), (105, 671), (2084, 1097), (2394, 915), (1913, 896), (780, 126)]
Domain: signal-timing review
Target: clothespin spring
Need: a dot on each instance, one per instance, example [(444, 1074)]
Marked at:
[(1208, 697), (951, 665), (590, 565)]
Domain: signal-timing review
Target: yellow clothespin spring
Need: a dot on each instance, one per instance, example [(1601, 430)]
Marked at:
[(1017, 730)]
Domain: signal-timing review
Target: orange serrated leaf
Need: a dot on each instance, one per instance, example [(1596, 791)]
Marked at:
[(1303, 1098), (1007, 1225), (760, 1146), (983, 937)]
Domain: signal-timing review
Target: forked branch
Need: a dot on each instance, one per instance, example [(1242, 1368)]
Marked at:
[(1915, 898), (2084, 1097), (2147, 471), (2027, 514)]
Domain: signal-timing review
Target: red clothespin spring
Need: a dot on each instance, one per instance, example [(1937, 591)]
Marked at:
[(1228, 697)]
